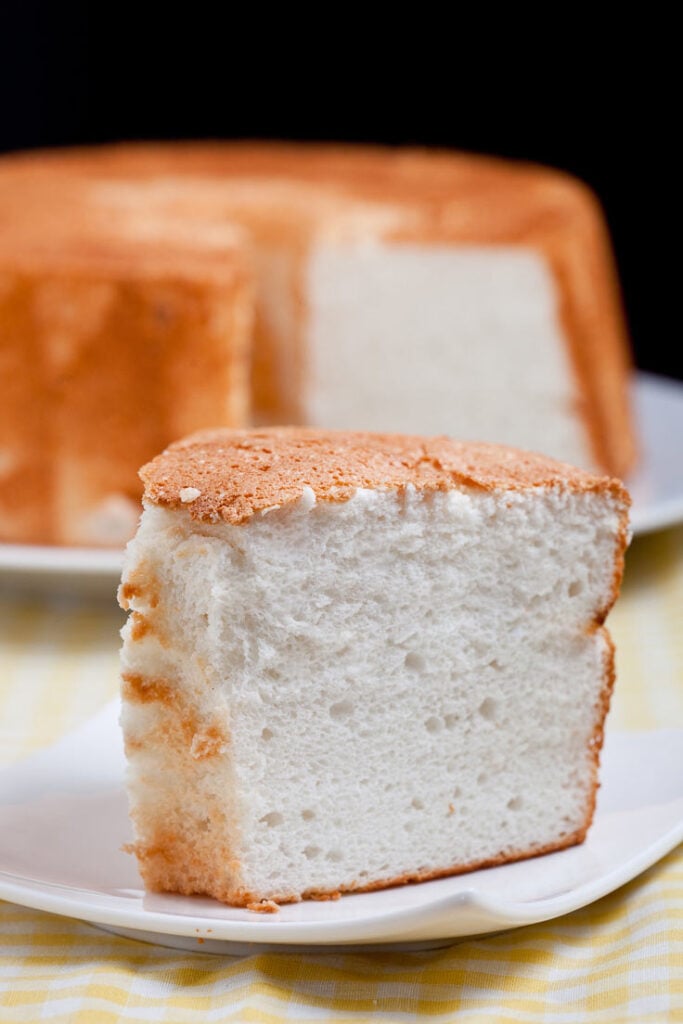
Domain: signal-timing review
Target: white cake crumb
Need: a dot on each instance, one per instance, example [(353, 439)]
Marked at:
[(366, 691), (188, 494)]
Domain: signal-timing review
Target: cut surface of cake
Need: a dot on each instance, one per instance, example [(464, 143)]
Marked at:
[(354, 660), (393, 290)]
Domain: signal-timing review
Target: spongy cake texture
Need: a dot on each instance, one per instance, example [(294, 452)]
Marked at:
[(387, 663)]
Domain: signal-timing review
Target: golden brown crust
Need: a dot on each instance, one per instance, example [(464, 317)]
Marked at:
[(595, 742), (590, 308), (232, 475), (140, 584), (263, 907), (597, 738), (170, 846)]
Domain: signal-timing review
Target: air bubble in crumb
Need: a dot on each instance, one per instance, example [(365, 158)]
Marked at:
[(414, 662), (272, 820), (342, 709), (188, 494), (487, 709)]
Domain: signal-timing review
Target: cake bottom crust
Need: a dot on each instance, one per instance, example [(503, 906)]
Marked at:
[(167, 881)]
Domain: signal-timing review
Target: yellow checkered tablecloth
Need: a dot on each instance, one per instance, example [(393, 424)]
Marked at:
[(620, 959)]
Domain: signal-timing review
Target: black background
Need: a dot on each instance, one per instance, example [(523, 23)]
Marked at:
[(597, 107)]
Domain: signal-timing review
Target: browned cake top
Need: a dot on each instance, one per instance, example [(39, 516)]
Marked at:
[(65, 231), (367, 170), (232, 474)]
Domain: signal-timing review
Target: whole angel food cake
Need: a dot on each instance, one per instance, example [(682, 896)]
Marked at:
[(392, 290), (354, 660)]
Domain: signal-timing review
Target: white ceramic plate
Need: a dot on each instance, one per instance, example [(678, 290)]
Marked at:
[(63, 821), (657, 490), (657, 485)]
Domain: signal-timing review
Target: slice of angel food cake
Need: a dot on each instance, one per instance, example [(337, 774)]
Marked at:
[(355, 660)]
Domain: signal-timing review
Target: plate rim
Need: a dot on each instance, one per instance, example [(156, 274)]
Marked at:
[(498, 915), (43, 559)]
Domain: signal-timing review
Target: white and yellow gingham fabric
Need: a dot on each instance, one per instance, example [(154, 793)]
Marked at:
[(620, 959)]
